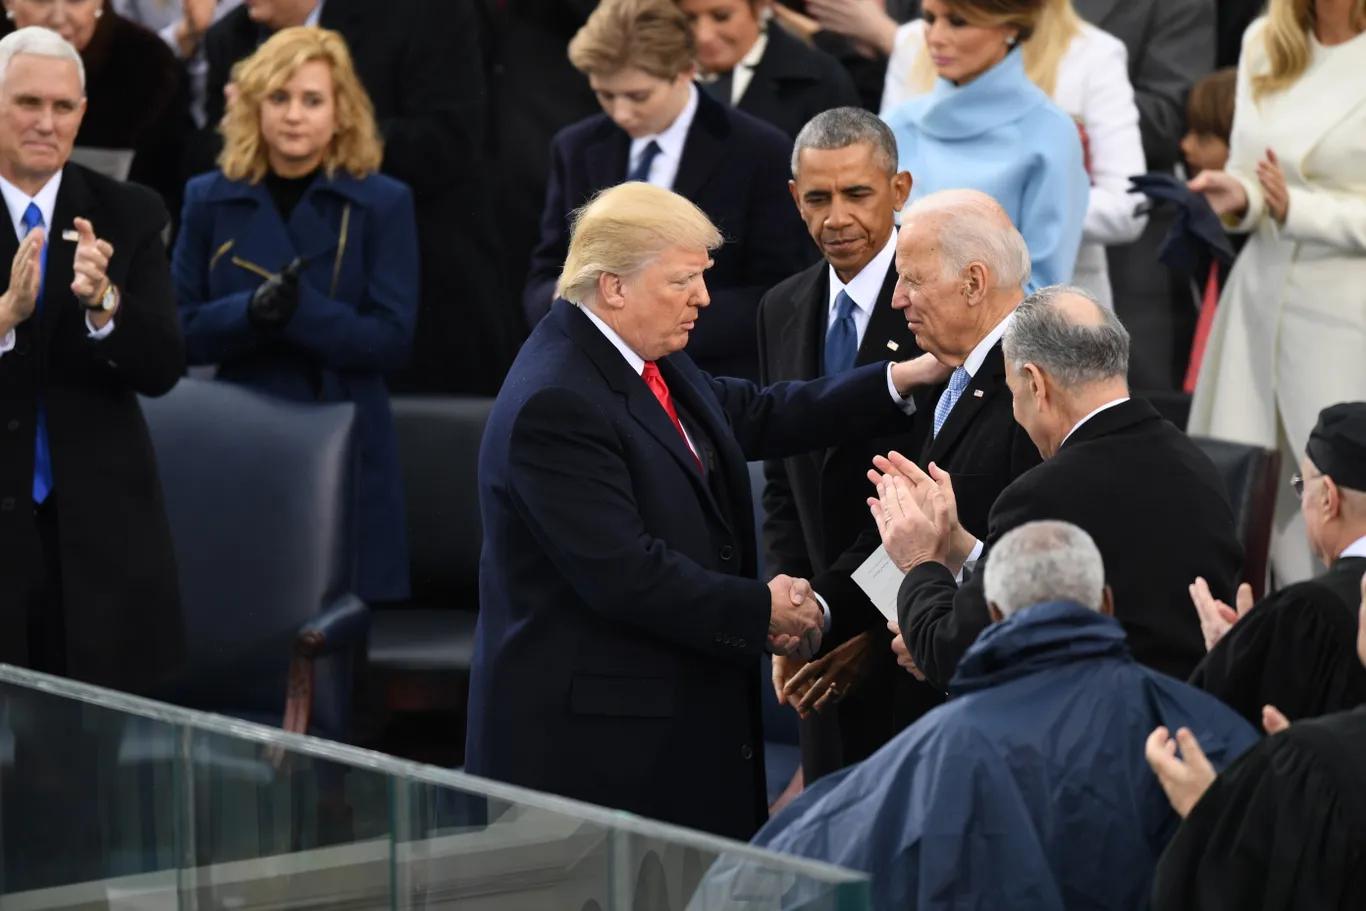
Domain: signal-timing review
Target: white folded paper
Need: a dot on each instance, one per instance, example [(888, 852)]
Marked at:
[(880, 580)]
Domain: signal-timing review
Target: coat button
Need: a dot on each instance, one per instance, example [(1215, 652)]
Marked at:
[(727, 552), (746, 752), (12, 425), (7, 504)]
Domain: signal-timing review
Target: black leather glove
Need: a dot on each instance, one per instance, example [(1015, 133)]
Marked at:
[(272, 305)]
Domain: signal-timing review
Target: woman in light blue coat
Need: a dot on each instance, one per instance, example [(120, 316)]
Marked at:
[(986, 126)]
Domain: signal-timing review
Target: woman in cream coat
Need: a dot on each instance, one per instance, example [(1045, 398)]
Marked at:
[(1089, 74), (1289, 337)]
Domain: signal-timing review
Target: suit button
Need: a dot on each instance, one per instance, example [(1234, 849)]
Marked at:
[(7, 504), (727, 552), (13, 424), (746, 752)]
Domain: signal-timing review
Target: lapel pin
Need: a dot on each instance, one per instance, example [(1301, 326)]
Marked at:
[(71, 235), (892, 346), (977, 393)]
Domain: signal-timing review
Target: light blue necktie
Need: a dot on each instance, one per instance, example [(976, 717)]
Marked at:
[(42, 458), (641, 171), (841, 339), (957, 383)]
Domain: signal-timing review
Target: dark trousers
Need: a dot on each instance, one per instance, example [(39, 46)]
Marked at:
[(46, 620)]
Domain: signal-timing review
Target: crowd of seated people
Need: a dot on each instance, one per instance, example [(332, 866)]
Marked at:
[(342, 200)]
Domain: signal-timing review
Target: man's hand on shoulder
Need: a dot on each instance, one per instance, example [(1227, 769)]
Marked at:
[(908, 376)]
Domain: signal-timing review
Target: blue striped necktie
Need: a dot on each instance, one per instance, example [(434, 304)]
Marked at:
[(957, 383), (42, 457)]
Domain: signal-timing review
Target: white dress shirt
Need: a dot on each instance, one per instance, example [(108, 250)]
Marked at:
[(671, 141), (1356, 549), (17, 203), (1108, 405), (863, 289), (743, 73)]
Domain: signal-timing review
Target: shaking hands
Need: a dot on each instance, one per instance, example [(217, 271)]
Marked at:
[(795, 618)]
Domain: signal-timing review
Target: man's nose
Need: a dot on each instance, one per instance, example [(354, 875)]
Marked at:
[(702, 298), (703, 32), (839, 213)]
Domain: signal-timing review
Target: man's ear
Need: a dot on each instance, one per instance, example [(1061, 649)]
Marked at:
[(974, 283), (792, 188), (1331, 504), (611, 293), (901, 189), (1107, 601), (994, 612), (1035, 383)]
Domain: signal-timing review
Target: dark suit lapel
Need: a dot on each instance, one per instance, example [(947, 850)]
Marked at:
[(803, 334), (705, 148), (74, 199), (986, 384), (887, 336), (730, 460), (608, 157)]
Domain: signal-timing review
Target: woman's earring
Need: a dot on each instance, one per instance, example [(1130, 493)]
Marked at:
[(9, 14), (1010, 40)]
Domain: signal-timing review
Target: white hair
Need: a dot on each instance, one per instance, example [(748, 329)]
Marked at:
[(974, 228), (39, 42), (1044, 561)]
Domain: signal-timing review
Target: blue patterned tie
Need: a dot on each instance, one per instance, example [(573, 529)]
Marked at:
[(957, 383), (42, 458), (841, 339), (641, 171)]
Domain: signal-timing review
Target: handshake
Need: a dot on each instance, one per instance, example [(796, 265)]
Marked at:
[(795, 618)]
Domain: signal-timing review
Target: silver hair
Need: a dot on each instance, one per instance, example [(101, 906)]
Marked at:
[(1074, 355), (1044, 561), (839, 128), (974, 228), (39, 42)]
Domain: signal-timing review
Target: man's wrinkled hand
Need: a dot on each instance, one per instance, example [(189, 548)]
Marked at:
[(1184, 778), (90, 264), (911, 535), (923, 486), (20, 299), (903, 654), (1216, 617)]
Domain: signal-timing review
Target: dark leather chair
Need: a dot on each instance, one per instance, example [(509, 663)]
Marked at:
[(421, 650), (1251, 474), (260, 494)]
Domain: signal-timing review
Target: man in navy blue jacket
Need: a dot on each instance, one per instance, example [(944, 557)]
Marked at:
[(658, 128), (1028, 789), (620, 624)]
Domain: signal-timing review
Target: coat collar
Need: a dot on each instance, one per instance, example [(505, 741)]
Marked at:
[(786, 59), (609, 150), (1112, 420), (341, 184), (74, 199), (309, 233), (1002, 94)]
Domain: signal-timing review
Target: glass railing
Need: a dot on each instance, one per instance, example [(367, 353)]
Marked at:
[(108, 801)]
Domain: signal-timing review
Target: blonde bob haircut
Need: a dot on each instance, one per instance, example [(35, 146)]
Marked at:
[(1286, 39), (356, 148), (622, 229), (649, 35)]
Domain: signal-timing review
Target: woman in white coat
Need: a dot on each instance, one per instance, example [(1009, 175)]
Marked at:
[(1289, 337), (1086, 73)]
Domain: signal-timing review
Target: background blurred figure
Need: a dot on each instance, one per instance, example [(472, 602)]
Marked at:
[(657, 126), (1281, 828), (750, 63), (1027, 789), (419, 62), (1290, 332), (296, 265), (136, 91), (1083, 70), (182, 24), (858, 33), (984, 125)]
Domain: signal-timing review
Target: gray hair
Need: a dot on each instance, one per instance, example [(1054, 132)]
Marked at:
[(1075, 355), (39, 42), (839, 128), (974, 228), (1044, 561)]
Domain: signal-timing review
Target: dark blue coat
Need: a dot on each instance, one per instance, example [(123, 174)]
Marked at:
[(620, 625), (357, 305), (735, 168), (1028, 789)]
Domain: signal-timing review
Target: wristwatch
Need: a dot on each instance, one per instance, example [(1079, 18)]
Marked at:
[(107, 302)]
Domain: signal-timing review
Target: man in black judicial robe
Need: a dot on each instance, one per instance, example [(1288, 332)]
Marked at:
[(1295, 649)]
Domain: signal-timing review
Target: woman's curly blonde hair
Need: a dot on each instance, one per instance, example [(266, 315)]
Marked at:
[(356, 148)]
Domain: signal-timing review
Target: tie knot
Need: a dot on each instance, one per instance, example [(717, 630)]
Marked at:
[(650, 372), (844, 305), (960, 379), (33, 218)]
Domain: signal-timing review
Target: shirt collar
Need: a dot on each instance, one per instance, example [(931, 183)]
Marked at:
[(635, 360), (863, 289), (312, 18), (1110, 404), (16, 201), (673, 137), (1356, 549), (756, 52), (979, 354)]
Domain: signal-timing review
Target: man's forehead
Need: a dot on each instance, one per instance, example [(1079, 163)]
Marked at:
[(48, 77)]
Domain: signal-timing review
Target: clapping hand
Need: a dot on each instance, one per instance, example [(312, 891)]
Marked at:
[(1216, 617), (922, 523), (1272, 179), (90, 265), (19, 300), (795, 618), (1185, 778)]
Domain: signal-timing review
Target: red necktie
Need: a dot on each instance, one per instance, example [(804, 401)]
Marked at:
[(655, 381)]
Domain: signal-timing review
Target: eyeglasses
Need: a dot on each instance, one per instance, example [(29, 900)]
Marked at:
[(1297, 482)]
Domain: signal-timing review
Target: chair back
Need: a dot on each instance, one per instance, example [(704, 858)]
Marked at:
[(261, 497), (1250, 475)]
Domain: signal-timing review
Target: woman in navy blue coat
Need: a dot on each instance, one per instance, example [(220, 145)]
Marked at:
[(296, 265)]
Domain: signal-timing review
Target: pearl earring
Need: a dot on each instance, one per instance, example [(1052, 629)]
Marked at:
[(9, 14)]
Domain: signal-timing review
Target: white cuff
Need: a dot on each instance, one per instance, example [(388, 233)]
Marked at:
[(970, 564), (7, 343), (825, 624), (907, 405), (98, 333)]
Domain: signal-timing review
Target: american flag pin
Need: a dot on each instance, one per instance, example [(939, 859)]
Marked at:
[(977, 393), (892, 346)]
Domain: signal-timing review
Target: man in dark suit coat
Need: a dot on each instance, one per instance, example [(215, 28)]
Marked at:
[(1151, 500), (420, 64), (816, 525), (85, 549), (733, 166), (619, 618)]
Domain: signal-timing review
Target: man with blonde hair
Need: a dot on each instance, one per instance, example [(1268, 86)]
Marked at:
[(620, 622)]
